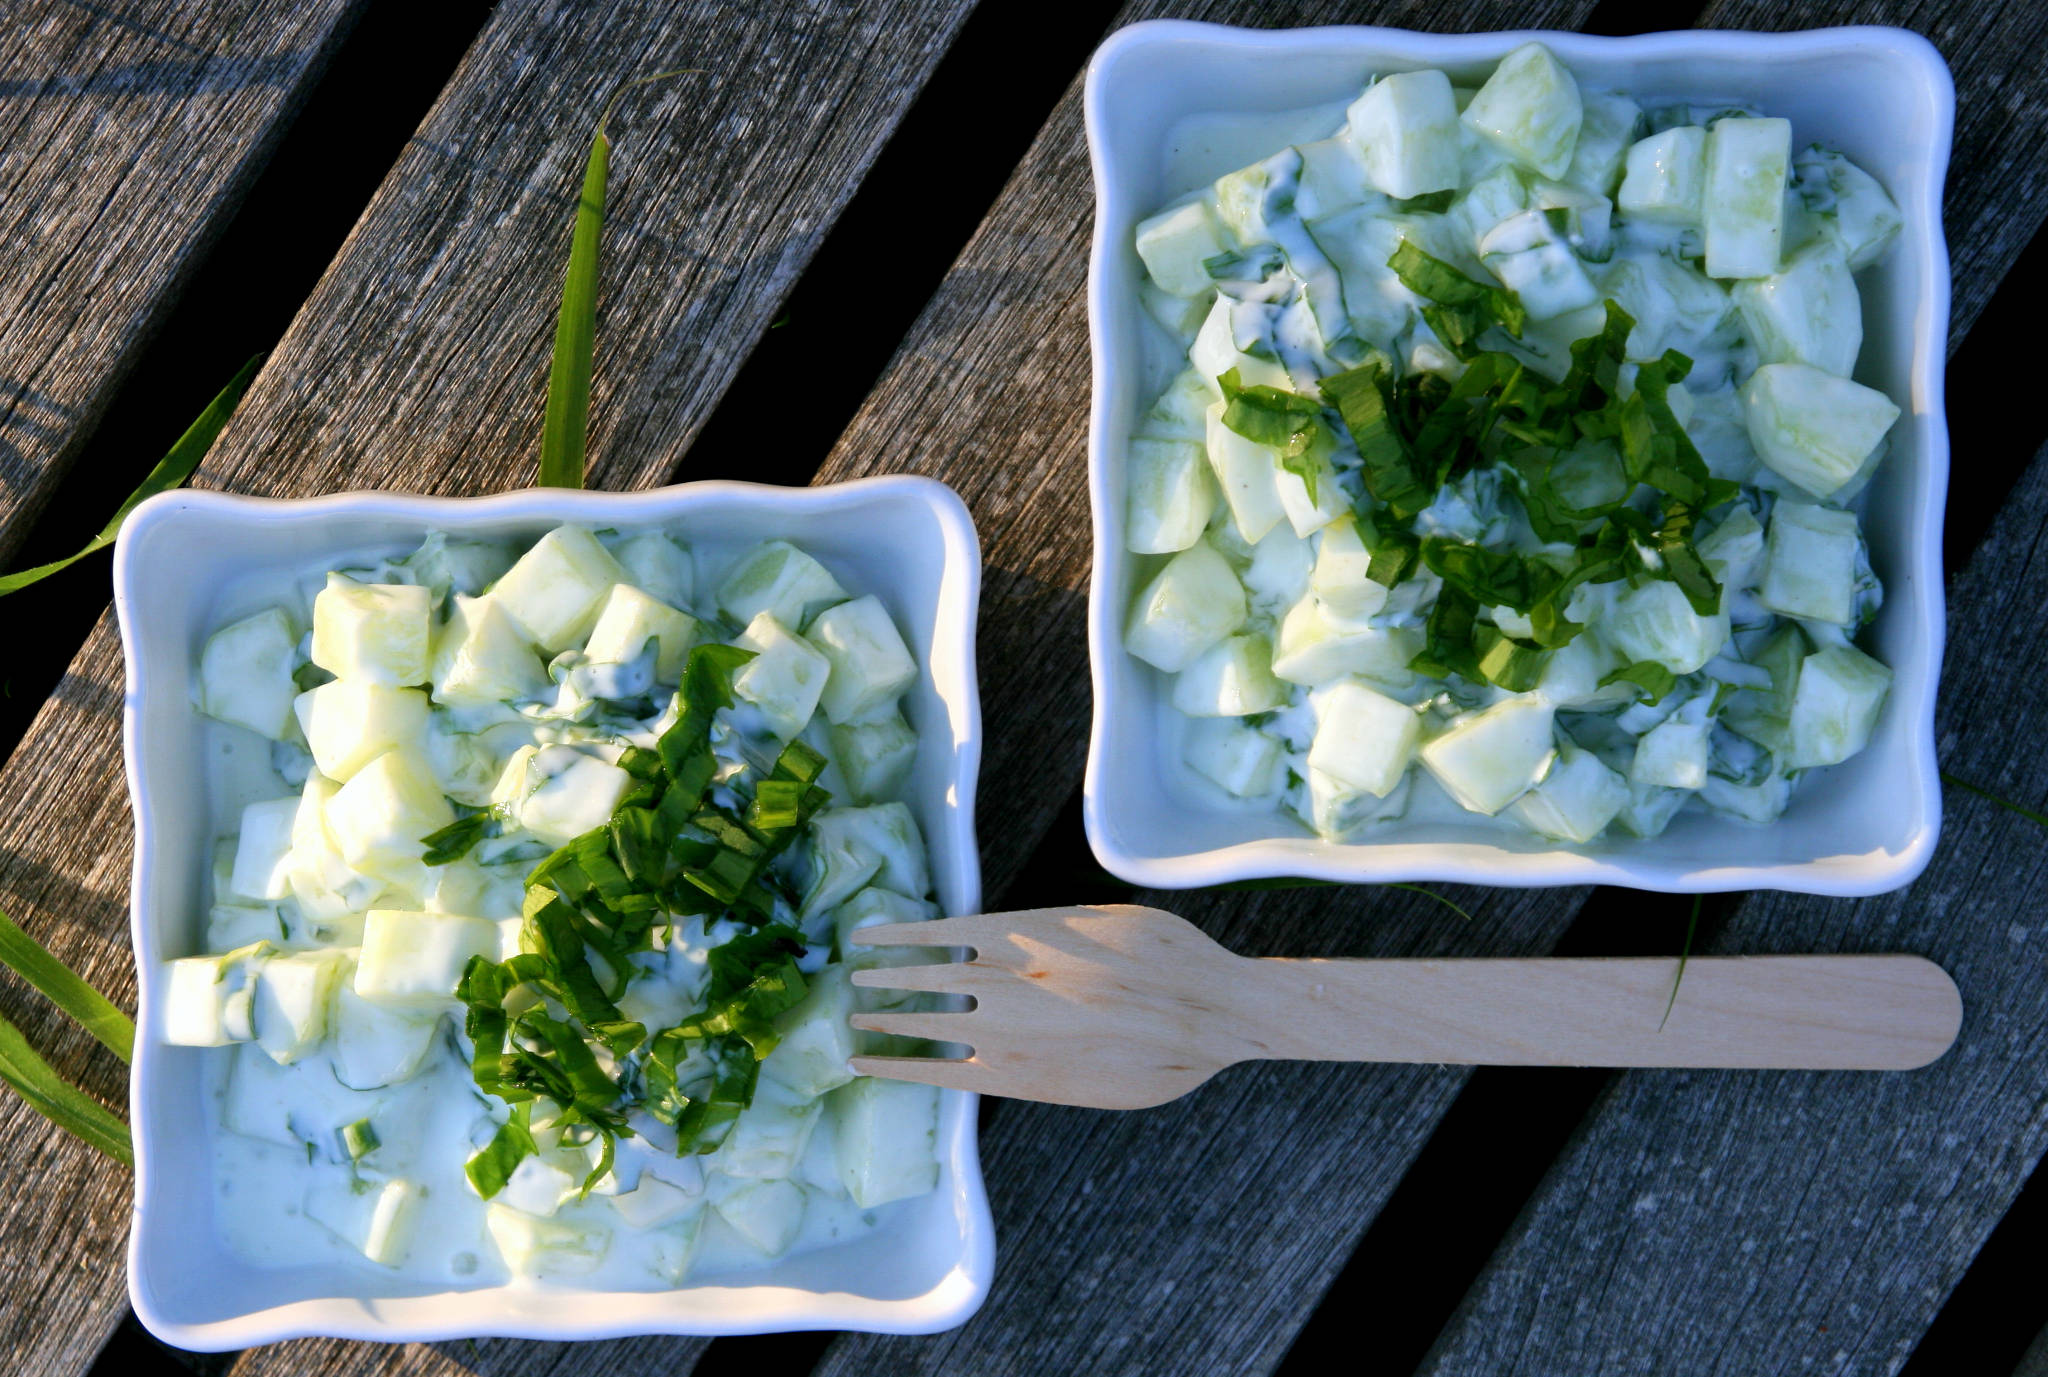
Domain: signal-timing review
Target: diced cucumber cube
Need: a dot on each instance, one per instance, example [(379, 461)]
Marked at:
[(1305, 514), (1341, 579), (1337, 811), (1571, 676), (1734, 550), (871, 667), (558, 793), (767, 1214), (533, 1247), (1182, 410), (416, 959), (887, 1136), (1576, 800), (875, 757), (350, 722), (1530, 109), (1841, 692), (1500, 195), (1169, 495), (654, 1201), (294, 1000), (447, 566), (1486, 760), (816, 1039), (537, 1187), (1190, 605), (1334, 177), (1670, 303), (377, 1221), (373, 631), (379, 818), (209, 1001), (482, 656), (1406, 125), (1314, 648), (786, 677), (1535, 263), (1249, 475), (326, 890), (1360, 241), (781, 580), (1814, 428), (629, 619), (1584, 219), (772, 1132), (1233, 678), (1656, 622), (376, 1044), (263, 850), (1174, 245), (658, 567), (1810, 563), (1231, 330), (1605, 135), (1253, 202), (245, 673), (1763, 801), (1743, 198), (229, 926), (1234, 757), (1859, 215), (555, 589), (853, 847), (1672, 754), (1649, 810), (1180, 316), (1809, 311), (1364, 740), (1666, 177)]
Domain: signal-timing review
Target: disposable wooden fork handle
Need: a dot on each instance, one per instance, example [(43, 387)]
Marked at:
[(1823, 1012)]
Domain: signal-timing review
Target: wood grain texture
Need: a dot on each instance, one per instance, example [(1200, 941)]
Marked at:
[(420, 363), (126, 140), (1998, 179), (1199, 1236), (1710, 1223), (2035, 1362)]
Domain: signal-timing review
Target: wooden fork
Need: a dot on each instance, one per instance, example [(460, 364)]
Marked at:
[(1122, 1007)]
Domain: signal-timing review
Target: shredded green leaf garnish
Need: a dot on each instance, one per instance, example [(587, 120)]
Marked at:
[(174, 468)]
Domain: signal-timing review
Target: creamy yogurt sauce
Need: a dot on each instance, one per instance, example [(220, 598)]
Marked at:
[(1506, 457), (504, 705)]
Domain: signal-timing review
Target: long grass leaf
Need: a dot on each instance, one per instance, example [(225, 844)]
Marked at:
[(1692, 925), (568, 413), (173, 469), (58, 1100), (32, 961), (2028, 813)]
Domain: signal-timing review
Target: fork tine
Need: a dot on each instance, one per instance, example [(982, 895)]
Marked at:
[(940, 977), (939, 1027), (948, 1073), (939, 932)]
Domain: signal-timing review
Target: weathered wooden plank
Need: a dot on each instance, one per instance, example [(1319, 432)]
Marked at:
[(420, 363), (2035, 1363), (126, 140), (1784, 1222), (1210, 1227), (1998, 180)]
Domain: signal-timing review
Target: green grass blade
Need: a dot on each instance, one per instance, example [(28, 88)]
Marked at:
[(58, 1100), (568, 413), (172, 470), (32, 961), (1432, 894), (1692, 925), (2028, 813)]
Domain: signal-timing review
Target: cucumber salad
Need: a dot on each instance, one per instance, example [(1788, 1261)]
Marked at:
[(1514, 439), (530, 954)]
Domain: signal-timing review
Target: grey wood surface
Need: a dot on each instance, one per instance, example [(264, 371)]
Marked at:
[(1716, 1223), (126, 139), (420, 363), (2035, 1363)]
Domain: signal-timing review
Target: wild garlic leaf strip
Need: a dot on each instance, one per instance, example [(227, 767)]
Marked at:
[(1692, 924), (2031, 815), (174, 468), (59, 1101), (65, 988)]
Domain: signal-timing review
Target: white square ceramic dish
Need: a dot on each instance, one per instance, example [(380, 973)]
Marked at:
[(1884, 97), (908, 540)]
